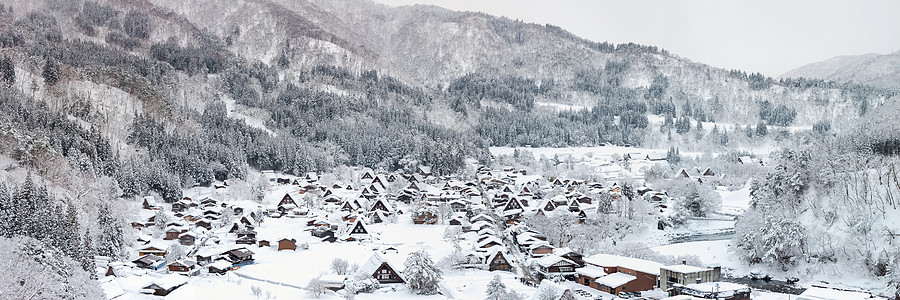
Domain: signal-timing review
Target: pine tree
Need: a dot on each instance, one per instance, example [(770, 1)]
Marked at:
[(111, 238), (71, 229), (24, 206), (421, 275), (51, 72), (496, 290), (761, 129), (7, 212), (672, 156), (87, 252), (7, 70)]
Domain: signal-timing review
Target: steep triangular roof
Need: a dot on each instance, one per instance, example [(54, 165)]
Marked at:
[(512, 204), (358, 228), (375, 262), (381, 205)]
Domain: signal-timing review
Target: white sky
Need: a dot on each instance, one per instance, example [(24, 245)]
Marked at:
[(767, 36)]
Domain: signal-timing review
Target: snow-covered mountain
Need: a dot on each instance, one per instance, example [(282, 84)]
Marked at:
[(879, 70)]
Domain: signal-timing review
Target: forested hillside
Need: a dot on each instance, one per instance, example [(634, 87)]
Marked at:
[(121, 98)]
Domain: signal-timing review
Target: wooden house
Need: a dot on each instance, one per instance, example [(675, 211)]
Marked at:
[(311, 176), (219, 267), (488, 243), (512, 204), (239, 257), (540, 249), (458, 206), (204, 223), (424, 217), (380, 269), (154, 250), (287, 200), (185, 266), (424, 171), (356, 231), (348, 206), (149, 261), (150, 203), (570, 254), (574, 206), (165, 285), (497, 261), (180, 206), (481, 217), (382, 206), (246, 236), (556, 265), (263, 243), (547, 205), (287, 244), (173, 233), (187, 239)]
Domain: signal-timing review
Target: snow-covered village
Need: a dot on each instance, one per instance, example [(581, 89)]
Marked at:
[(499, 232), (447, 149)]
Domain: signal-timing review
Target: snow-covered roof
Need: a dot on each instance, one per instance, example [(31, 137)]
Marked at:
[(540, 244), (111, 288), (488, 241), (552, 259), (608, 260), (480, 216), (374, 262), (170, 281), (479, 224), (487, 231), (615, 280), (591, 271), (563, 251), (684, 268), (220, 264)]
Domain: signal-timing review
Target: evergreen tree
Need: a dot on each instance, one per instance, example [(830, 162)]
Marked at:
[(672, 156), (761, 129), (421, 275), (112, 236), (496, 290), (51, 72), (7, 70), (723, 138), (87, 252), (683, 125), (7, 212)]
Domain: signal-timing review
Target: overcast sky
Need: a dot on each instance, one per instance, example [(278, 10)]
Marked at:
[(767, 36)]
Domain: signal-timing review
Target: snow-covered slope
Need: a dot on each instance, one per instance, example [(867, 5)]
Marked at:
[(871, 69)]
